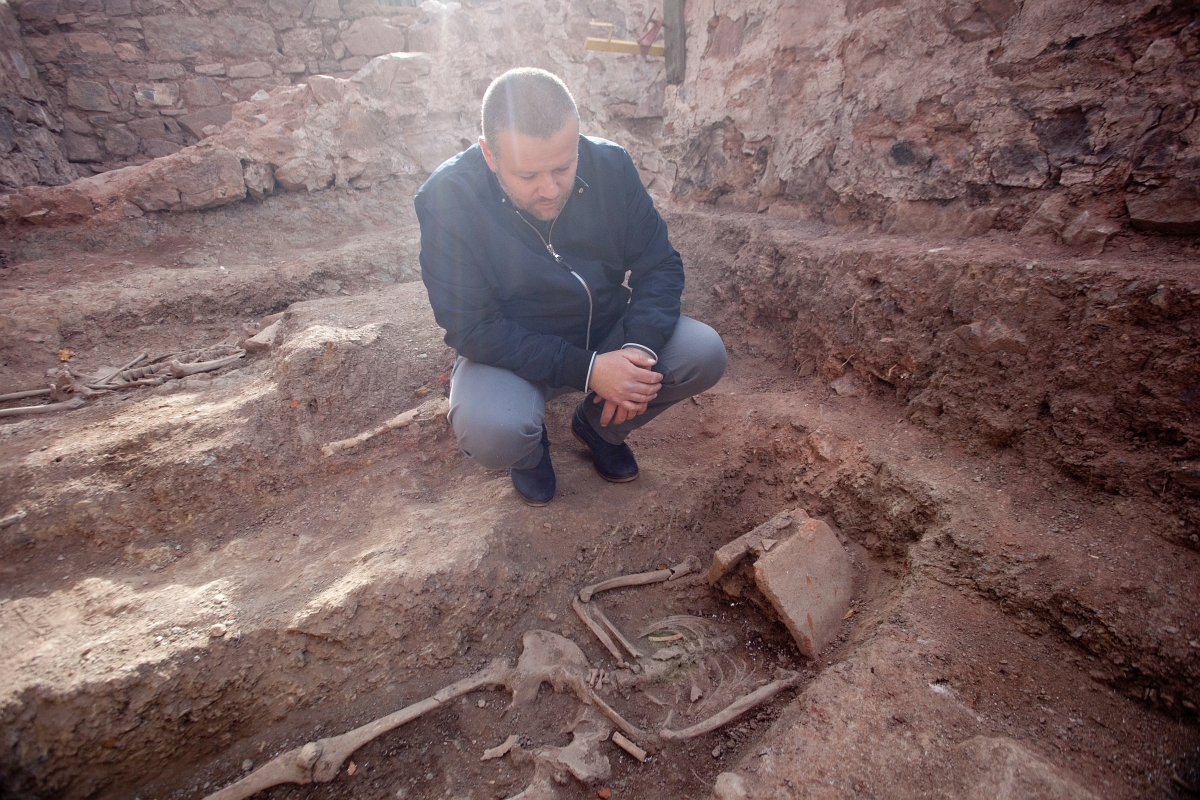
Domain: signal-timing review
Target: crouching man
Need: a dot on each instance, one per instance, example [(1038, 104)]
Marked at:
[(550, 269)]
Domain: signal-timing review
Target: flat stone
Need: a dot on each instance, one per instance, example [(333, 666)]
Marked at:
[(164, 72), (255, 69), (809, 580), (210, 69)]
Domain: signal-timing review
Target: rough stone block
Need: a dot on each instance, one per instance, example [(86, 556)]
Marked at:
[(379, 76), (809, 579), (195, 122), (175, 38), (303, 43), (759, 540), (210, 69), (89, 95), (128, 52), (120, 141), (375, 36), (162, 95), (990, 337), (118, 8), (158, 148), (327, 9), (1169, 210), (260, 181), (265, 339), (190, 180), (201, 93), (327, 89), (81, 148), (90, 46)]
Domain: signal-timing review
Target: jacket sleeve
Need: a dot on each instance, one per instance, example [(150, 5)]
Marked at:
[(464, 304), (656, 269)]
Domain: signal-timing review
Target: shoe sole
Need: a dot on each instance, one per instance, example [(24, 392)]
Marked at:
[(528, 502), (598, 472)]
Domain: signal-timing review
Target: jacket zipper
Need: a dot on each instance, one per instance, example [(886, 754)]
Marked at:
[(587, 343)]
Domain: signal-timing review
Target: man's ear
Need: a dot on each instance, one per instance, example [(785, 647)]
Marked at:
[(487, 155)]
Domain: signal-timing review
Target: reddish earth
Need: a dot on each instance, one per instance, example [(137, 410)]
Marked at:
[(1011, 463)]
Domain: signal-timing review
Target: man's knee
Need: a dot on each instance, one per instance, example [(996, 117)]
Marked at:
[(495, 444), (700, 355)]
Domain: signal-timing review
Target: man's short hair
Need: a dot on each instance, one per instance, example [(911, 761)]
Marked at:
[(529, 101)]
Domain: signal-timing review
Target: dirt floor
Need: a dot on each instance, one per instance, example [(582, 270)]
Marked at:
[(1004, 438)]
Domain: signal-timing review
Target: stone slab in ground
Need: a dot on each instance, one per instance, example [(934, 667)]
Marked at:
[(809, 579)]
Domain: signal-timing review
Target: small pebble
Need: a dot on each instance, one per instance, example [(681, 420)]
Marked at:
[(482, 704), (217, 631), (247, 765)]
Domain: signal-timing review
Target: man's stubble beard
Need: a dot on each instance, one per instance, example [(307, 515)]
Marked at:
[(528, 210)]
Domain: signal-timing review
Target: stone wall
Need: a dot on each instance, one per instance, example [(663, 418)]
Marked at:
[(400, 115), (30, 121), (1057, 117), (141, 79)]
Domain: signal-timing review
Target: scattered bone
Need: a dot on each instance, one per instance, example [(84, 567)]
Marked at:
[(500, 750), (628, 746), (697, 692), (600, 633), (674, 637), (25, 394), (654, 699), (603, 619), (690, 564), (583, 757), (140, 357), (734, 710), (430, 409), (629, 729), (668, 653), (319, 761), (179, 370), (66, 405)]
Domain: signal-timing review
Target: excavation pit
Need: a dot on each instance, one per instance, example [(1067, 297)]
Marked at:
[(196, 586)]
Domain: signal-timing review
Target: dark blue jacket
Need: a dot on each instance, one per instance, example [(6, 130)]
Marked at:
[(506, 302)]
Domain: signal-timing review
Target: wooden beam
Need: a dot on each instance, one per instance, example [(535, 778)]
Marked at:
[(676, 40), (621, 46)]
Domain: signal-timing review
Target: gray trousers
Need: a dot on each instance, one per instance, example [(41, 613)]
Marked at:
[(498, 416)]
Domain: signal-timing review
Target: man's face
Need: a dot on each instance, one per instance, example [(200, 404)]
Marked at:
[(536, 174)]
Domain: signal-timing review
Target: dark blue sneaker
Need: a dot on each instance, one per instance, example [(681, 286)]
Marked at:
[(614, 462), (536, 485)]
